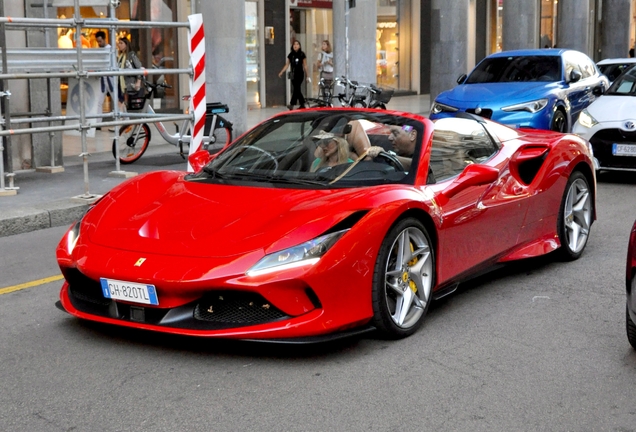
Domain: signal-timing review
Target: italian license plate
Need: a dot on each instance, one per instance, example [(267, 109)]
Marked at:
[(624, 149), (129, 291)]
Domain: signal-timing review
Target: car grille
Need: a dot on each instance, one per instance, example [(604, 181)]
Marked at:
[(485, 112), (236, 309), (86, 293), (216, 310), (602, 145)]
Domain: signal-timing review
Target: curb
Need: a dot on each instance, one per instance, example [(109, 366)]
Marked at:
[(27, 219)]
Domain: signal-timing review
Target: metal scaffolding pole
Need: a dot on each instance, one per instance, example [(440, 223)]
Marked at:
[(52, 62), (5, 144), (82, 97)]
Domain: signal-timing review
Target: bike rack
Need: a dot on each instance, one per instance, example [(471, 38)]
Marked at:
[(47, 63)]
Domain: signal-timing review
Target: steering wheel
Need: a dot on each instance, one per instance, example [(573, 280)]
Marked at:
[(265, 152), (392, 160)]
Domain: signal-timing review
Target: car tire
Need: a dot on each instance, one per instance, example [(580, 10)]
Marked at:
[(559, 123), (404, 277), (575, 217), (631, 329)]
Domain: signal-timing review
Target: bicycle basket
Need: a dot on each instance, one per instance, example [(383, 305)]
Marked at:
[(136, 99), (384, 96)]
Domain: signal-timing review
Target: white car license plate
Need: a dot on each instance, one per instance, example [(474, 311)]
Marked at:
[(624, 149), (129, 291)]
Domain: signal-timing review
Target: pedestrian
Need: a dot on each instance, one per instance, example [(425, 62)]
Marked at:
[(127, 59), (106, 83), (325, 61), (297, 65)]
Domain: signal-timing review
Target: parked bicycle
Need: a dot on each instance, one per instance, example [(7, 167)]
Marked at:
[(134, 139), (379, 97), (355, 95)]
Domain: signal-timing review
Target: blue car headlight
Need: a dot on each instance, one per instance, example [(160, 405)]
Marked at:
[(586, 119), (437, 108), (531, 107), (308, 253)]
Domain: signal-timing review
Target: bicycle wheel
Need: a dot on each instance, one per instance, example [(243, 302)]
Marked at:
[(359, 104), (316, 103), (222, 137), (133, 142)]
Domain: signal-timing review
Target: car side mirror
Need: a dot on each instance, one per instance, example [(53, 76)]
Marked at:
[(199, 159), (473, 175), (598, 90), (575, 76), (462, 78)]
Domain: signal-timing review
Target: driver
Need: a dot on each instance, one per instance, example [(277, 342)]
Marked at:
[(403, 140)]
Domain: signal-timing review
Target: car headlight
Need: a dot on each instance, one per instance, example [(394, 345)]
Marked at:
[(73, 236), (532, 107), (308, 253), (437, 108), (586, 119), (74, 232)]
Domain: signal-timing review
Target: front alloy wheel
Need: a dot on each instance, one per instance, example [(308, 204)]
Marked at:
[(559, 122), (575, 217), (403, 280)]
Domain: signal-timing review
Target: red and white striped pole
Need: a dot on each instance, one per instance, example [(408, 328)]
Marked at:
[(196, 43)]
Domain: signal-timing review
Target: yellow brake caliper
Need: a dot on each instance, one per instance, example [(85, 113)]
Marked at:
[(405, 276)]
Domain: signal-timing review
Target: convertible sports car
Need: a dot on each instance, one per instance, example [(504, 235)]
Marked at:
[(273, 239)]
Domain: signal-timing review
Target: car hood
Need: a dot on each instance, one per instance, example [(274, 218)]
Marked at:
[(613, 108), (500, 94), (164, 214)]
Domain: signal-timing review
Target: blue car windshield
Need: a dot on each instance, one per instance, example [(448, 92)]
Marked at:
[(516, 69)]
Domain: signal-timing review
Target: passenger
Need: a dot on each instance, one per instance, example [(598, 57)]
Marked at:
[(331, 150), (358, 139), (403, 139)]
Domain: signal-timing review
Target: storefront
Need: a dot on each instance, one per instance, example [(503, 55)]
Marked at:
[(311, 22), (156, 47), (394, 39), (253, 52)]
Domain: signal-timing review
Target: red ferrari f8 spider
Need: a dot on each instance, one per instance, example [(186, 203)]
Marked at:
[(295, 232)]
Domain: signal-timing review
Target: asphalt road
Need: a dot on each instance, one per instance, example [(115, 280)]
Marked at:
[(536, 346)]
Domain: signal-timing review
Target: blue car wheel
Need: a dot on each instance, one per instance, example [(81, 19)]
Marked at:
[(559, 123)]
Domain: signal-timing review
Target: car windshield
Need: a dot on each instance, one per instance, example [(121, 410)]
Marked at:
[(516, 69), (624, 84), (317, 149), (612, 71)]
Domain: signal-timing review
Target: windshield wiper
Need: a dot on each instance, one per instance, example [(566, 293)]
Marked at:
[(268, 178), (214, 173)]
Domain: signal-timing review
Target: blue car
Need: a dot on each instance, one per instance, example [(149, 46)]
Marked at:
[(538, 88)]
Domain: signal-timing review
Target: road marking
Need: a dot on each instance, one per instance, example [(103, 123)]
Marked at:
[(31, 284)]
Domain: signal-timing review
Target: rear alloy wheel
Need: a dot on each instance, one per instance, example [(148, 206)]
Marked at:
[(403, 280), (631, 329), (575, 217), (559, 122)]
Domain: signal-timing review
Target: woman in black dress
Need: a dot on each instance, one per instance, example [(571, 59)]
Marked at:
[(297, 64)]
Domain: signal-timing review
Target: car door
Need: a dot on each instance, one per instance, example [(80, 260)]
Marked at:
[(579, 93), (483, 219)]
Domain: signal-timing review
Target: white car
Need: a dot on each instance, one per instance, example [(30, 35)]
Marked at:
[(609, 124), (613, 67)]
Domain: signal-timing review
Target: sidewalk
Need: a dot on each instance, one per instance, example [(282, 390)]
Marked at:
[(47, 200)]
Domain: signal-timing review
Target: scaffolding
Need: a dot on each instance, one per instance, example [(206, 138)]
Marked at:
[(79, 63)]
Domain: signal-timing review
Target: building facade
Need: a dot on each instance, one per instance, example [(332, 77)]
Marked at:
[(413, 46)]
